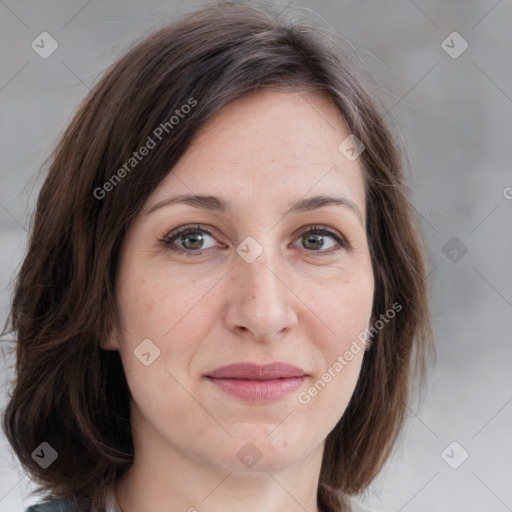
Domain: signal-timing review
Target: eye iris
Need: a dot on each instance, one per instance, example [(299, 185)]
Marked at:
[(316, 239), (197, 240)]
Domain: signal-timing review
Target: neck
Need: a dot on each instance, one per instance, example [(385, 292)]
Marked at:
[(164, 479)]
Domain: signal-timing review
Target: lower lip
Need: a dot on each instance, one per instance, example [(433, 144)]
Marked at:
[(259, 391)]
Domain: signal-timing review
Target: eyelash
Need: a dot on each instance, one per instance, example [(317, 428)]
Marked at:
[(168, 239)]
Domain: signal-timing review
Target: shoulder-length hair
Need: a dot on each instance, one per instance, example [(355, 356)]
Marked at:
[(72, 394)]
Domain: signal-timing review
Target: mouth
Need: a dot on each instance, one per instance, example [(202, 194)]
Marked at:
[(258, 383)]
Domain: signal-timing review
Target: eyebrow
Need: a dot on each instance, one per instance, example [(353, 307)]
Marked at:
[(214, 203)]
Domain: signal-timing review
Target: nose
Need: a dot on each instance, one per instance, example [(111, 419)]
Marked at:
[(260, 301)]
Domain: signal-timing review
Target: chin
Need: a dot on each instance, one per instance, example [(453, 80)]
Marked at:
[(263, 449)]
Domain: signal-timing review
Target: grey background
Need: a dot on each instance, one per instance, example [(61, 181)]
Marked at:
[(453, 115)]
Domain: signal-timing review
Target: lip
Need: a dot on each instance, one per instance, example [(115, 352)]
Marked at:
[(258, 383), (252, 371)]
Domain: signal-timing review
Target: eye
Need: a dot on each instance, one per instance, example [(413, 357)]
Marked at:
[(314, 239), (187, 240), (190, 240)]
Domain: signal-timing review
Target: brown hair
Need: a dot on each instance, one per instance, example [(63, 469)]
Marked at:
[(71, 393)]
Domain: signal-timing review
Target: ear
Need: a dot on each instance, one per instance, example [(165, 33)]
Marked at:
[(367, 345), (110, 342), (368, 339)]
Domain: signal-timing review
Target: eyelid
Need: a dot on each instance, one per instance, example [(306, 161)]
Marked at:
[(189, 227)]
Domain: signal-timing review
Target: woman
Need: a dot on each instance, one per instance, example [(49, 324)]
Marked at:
[(224, 298)]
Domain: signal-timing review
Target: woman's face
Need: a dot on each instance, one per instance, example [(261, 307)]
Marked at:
[(249, 279)]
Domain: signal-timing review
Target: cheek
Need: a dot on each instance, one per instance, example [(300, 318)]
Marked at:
[(343, 310), (151, 301), (168, 311), (343, 307)]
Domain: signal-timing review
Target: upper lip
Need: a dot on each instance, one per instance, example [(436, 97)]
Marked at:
[(252, 371)]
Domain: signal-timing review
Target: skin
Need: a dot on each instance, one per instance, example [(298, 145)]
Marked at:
[(298, 302)]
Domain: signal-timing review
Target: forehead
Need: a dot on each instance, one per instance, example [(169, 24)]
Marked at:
[(269, 146)]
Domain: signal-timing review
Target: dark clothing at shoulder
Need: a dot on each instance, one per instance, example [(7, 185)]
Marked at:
[(57, 505)]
